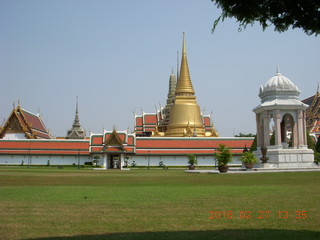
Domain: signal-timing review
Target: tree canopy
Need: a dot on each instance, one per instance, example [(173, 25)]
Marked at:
[(303, 14)]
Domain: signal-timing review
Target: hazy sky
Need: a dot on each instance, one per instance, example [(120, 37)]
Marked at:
[(117, 57)]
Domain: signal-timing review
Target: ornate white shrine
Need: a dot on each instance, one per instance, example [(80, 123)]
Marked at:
[(281, 116)]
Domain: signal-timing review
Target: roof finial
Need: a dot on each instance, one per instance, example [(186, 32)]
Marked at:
[(278, 70), (318, 89), (77, 105)]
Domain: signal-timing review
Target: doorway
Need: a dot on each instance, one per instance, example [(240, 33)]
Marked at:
[(114, 161)]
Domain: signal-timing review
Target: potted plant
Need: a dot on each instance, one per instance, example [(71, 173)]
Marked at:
[(223, 156), (192, 161), (248, 159)]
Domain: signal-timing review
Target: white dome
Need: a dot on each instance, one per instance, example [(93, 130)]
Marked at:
[(279, 83)]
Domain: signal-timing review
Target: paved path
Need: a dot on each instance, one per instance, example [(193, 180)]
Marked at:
[(256, 170)]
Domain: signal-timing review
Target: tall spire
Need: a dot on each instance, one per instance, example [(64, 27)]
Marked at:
[(184, 85), (185, 111), (76, 132), (76, 122), (170, 100)]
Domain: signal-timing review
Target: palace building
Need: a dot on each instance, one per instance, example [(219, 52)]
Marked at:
[(166, 136), (313, 114)]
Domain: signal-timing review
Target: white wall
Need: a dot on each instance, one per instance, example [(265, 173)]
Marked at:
[(140, 160), (43, 159), (177, 160), (14, 136)]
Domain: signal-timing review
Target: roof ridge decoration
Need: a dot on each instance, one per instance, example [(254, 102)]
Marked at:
[(113, 139)]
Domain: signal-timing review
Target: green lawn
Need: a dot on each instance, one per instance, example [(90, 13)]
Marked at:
[(51, 203)]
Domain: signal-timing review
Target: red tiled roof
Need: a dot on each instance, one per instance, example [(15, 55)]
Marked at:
[(206, 121), (139, 121), (142, 142), (150, 119), (58, 147), (96, 140)]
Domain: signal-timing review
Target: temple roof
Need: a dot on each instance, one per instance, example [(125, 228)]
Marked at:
[(24, 122), (313, 113)]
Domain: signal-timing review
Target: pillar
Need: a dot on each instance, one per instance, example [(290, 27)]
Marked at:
[(277, 126), (301, 128), (259, 131), (266, 134)]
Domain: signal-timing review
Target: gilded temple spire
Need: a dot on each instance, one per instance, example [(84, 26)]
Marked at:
[(184, 84), (185, 112)]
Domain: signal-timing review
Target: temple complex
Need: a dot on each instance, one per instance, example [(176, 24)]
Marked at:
[(168, 135)]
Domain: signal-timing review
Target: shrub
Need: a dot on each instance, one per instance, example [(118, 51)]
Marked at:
[(248, 158), (192, 159), (223, 155)]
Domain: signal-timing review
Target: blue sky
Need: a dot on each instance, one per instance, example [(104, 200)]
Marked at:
[(117, 57)]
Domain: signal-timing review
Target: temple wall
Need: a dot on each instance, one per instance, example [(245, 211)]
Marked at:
[(177, 160), (43, 159), (139, 160), (14, 136)]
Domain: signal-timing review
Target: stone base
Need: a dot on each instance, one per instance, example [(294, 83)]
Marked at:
[(287, 158)]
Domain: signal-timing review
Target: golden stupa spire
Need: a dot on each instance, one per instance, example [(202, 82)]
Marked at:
[(185, 112), (184, 84)]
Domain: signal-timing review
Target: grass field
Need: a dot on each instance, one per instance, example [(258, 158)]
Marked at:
[(50, 203)]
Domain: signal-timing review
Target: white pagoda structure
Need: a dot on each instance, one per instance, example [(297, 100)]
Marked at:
[(283, 116)]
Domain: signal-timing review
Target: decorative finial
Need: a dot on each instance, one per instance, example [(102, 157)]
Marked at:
[(18, 102), (278, 70), (184, 43), (77, 105)]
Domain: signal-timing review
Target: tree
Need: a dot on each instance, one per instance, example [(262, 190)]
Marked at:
[(318, 145), (311, 144), (244, 135), (254, 144), (280, 13)]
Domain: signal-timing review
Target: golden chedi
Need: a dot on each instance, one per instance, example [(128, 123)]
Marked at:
[(185, 118)]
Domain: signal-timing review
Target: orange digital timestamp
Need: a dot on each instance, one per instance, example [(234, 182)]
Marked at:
[(265, 214)]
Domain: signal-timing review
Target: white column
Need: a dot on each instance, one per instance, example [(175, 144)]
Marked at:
[(300, 130), (304, 129), (105, 160), (121, 160), (277, 126), (266, 133), (259, 131), (295, 134)]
